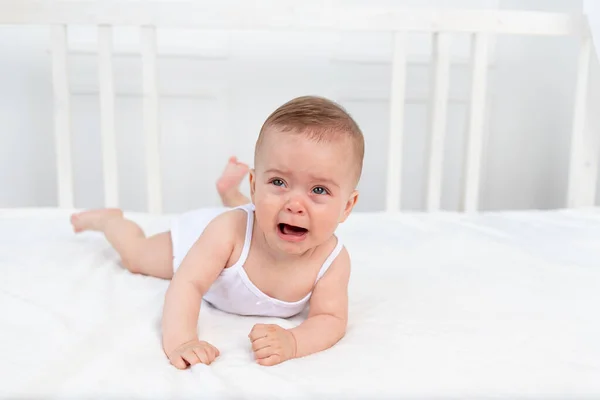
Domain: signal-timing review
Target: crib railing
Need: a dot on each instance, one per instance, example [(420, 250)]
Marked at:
[(306, 16)]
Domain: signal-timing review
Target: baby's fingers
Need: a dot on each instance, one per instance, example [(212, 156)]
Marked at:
[(212, 352), (216, 351), (190, 357), (263, 353), (203, 355), (273, 359), (178, 362)]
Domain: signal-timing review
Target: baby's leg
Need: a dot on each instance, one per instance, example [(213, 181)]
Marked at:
[(147, 256), (228, 184)]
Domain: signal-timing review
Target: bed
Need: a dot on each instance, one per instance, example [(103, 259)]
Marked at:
[(443, 304), (498, 305)]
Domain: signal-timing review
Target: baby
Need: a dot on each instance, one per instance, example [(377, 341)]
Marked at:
[(271, 255)]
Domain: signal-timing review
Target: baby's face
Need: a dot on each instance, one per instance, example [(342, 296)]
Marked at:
[(301, 190)]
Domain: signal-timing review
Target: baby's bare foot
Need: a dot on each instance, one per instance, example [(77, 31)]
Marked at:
[(232, 176), (228, 185), (94, 220)]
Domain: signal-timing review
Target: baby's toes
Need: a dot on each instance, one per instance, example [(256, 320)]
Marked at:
[(75, 223)]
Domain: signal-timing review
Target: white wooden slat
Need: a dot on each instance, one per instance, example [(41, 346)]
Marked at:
[(62, 117), (583, 160), (107, 116), (438, 117), (397, 96), (278, 15), (151, 118), (474, 138)]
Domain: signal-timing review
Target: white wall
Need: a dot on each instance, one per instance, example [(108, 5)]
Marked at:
[(214, 103)]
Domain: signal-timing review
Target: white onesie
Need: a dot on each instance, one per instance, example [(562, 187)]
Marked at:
[(233, 291)]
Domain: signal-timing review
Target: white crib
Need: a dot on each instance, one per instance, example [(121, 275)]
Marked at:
[(311, 17), (443, 304)]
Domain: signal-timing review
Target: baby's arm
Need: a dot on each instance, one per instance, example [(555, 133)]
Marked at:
[(199, 269), (324, 327), (328, 315)]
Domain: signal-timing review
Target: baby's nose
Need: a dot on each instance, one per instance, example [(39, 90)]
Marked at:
[(295, 207)]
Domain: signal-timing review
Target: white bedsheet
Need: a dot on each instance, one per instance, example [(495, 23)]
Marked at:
[(442, 305)]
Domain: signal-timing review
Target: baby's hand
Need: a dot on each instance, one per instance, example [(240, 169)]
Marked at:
[(272, 344), (193, 352)]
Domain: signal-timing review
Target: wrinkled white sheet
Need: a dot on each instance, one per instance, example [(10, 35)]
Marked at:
[(442, 305)]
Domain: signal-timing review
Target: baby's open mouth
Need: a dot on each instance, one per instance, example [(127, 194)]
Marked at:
[(292, 230)]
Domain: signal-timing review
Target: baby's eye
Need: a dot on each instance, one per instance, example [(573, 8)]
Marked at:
[(319, 190), (277, 182)]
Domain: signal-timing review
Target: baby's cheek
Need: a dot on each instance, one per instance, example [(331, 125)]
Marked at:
[(267, 205), (327, 223), (271, 201)]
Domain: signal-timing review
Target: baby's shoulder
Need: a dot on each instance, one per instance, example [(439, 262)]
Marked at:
[(342, 260), (231, 223), (335, 254)]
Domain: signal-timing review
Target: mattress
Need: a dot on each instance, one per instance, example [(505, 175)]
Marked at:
[(497, 304)]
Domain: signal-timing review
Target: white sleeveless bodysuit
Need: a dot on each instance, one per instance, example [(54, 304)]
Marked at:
[(233, 291)]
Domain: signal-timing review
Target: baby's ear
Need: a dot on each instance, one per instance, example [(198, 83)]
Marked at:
[(349, 205), (252, 178)]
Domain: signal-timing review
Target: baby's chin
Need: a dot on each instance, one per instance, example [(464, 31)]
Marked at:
[(289, 248), (299, 249)]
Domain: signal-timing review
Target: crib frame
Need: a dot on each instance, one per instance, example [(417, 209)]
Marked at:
[(272, 15)]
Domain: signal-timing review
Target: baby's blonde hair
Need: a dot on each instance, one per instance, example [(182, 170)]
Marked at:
[(319, 119)]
